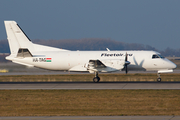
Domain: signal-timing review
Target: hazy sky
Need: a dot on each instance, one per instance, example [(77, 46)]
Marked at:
[(150, 22)]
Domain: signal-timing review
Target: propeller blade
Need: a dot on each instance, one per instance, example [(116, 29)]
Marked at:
[(126, 63), (126, 57), (126, 69)]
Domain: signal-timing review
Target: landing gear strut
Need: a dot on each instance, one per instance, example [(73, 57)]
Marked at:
[(159, 77), (96, 79)]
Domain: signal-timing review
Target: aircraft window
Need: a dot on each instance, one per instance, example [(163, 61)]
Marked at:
[(155, 56), (160, 56)]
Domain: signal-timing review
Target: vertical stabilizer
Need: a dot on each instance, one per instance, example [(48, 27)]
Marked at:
[(16, 37), (18, 40)]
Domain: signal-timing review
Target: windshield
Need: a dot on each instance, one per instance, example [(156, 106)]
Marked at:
[(157, 56), (160, 56)]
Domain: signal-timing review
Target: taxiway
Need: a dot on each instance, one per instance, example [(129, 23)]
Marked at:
[(87, 85)]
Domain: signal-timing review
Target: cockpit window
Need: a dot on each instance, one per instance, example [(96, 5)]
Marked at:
[(160, 56), (157, 56)]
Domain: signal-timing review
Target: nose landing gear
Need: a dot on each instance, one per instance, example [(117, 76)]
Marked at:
[(159, 77)]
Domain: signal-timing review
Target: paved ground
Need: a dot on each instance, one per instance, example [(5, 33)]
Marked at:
[(89, 85), (95, 118)]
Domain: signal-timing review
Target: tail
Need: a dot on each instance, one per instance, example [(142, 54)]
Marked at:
[(16, 37), (20, 43)]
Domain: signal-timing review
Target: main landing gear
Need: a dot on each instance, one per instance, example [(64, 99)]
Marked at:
[(96, 79), (159, 77)]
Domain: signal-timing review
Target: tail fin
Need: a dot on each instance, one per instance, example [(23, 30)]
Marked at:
[(16, 37), (19, 42)]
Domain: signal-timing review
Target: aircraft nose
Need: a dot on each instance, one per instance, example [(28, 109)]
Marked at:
[(174, 65), (170, 64)]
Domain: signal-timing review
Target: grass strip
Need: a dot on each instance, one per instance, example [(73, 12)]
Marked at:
[(89, 102)]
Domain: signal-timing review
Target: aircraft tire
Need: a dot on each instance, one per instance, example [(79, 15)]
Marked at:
[(159, 79), (96, 79)]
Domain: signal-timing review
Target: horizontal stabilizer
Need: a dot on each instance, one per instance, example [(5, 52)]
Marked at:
[(24, 53)]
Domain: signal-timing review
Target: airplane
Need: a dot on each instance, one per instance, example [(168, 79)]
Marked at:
[(24, 52)]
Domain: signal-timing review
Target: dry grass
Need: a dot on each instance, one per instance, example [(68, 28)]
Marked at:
[(89, 102), (88, 77)]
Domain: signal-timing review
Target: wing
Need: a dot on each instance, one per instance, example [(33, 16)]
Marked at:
[(91, 66), (105, 65), (100, 66), (96, 64)]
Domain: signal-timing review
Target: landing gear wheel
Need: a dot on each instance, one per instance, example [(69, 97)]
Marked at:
[(96, 79), (159, 79)]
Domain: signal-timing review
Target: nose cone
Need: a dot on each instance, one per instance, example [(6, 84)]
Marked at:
[(174, 66), (170, 64)]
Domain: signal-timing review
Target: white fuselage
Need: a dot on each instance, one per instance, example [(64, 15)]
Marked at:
[(66, 60), (24, 52)]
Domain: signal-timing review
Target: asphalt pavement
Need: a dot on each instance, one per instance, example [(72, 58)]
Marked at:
[(87, 85)]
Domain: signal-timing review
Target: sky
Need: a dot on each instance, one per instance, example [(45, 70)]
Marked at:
[(149, 22)]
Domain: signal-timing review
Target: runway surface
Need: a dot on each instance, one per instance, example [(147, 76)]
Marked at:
[(88, 85), (95, 118)]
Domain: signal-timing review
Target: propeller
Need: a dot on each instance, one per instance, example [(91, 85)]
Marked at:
[(126, 63)]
